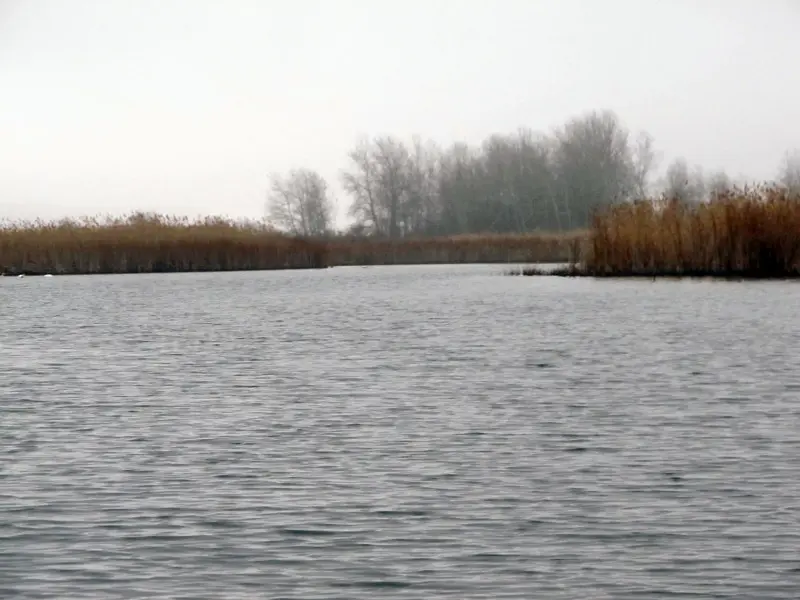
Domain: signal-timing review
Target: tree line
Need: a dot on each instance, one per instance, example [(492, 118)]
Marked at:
[(515, 183)]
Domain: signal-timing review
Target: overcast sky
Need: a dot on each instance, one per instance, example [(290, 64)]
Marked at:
[(186, 106)]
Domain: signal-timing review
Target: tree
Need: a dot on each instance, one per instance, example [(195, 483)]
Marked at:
[(516, 182), (378, 183), (421, 207), (718, 183), (391, 159), (789, 173), (458, 190), (592, 165), (644, 161), (533, 182), (300, 203), (498, 211), (515, 175), (682, 184), (361, 182)]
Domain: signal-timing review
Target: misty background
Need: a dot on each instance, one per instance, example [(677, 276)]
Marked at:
[(452, 116)]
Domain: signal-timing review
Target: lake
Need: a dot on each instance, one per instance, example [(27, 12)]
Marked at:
[(398, 432)]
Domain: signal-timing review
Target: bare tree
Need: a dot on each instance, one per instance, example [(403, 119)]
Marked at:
[(789, 173), (683, 184), (458, 189), (517, 182), (300, 203), (499, 166), (718, 183), (391, 157), (592, 165), (421, 207), (645, 159), (378, 183), (534, 182), (361, 182)]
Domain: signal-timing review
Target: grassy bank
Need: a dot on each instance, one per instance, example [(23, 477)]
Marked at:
[(146, 243), (752, 233)]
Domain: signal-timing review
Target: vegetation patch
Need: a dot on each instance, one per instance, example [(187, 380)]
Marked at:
[(152, 243), (750, 233), (458, 249)]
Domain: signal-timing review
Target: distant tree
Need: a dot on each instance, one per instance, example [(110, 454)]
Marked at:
[(361, 182), (512, 183), (391, 157), (789, 172), (718, 183), (516, 182), (458, 190), (645, 160), (499, 169), (421, 210), (534, 183), (514, 174), (300, 203), (592, 165), (684, 184), (378, 182)]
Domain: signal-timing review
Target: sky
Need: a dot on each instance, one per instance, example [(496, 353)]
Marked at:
[(187, 106)]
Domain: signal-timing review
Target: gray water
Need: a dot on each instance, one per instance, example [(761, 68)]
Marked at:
[(398, 432)]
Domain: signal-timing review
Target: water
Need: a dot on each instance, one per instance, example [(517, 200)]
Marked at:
[(398, 432)]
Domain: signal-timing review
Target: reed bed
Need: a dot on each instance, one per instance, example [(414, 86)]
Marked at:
[(753, 233), (153, 243), (742, 233), (460, 249), (150, 243)]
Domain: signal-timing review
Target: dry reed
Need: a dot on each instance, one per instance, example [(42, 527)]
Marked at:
[(147, 243), (751, 232), (478, 248)]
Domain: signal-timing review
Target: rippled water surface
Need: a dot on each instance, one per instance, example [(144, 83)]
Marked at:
[(398, 432)]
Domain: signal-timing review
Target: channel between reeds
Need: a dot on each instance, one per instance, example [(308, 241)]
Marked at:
[(152, 243)]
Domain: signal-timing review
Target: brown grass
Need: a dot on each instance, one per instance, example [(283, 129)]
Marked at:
[(148, 243), (752, 233), (484, 248)]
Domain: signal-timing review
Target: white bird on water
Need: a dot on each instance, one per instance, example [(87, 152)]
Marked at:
[(21, 275)]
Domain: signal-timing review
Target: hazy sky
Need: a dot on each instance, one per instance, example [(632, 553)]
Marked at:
[(186, 106)]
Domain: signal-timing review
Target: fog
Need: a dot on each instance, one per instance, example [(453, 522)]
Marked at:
[(189, 106)]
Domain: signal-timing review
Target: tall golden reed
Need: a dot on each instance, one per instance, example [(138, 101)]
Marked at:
[(750, 232), (145, 243), (142, 243)]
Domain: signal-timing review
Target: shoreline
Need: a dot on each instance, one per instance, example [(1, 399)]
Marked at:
[(30, 273), (161, 247), (752, 235), (579, 272)]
